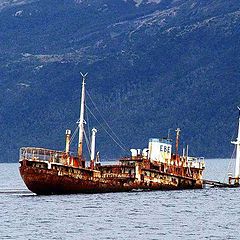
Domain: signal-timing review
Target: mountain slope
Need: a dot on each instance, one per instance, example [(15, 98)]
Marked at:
[(153, 65)]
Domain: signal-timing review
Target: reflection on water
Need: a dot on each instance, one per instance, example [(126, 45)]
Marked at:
[(14, 191)]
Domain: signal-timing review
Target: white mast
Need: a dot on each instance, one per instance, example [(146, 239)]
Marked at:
[(237, 143), (81, 120)]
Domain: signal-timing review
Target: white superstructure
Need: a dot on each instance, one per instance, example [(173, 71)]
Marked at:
[(160, 150)]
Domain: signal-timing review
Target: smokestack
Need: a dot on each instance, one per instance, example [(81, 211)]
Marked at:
[(68, 136), (94, 131)]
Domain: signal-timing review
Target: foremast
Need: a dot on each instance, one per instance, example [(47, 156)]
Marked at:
[(237, 143), (81, 119)]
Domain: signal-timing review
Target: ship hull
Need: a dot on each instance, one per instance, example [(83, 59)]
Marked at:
[(43, 181)]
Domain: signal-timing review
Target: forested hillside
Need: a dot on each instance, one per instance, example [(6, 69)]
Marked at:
[(153, 66)]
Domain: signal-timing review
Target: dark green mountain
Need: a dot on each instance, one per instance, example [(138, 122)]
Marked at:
[(153, 65)]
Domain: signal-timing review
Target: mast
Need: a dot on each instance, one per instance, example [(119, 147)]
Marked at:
[(237, 143), (81, 119), (177, 141), (178, 130)]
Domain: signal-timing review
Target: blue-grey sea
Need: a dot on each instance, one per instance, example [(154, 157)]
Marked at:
[(209, 213)]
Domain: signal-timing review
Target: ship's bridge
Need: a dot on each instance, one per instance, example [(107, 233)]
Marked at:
[(160, 150)]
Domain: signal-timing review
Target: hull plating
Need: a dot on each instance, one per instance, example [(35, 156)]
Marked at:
[(51, 181)]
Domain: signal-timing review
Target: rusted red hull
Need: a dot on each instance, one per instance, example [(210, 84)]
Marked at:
[(50, 181)]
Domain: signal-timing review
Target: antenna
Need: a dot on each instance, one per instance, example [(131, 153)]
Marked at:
[(168, 136)]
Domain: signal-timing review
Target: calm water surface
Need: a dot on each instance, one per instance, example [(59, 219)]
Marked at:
[(190, 214)]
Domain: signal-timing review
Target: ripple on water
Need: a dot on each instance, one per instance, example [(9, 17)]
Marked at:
[(192, 214)]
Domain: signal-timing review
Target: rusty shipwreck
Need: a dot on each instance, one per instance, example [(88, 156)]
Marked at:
[(47, 171)]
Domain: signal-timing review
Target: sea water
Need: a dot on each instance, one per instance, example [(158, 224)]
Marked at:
[(211, 213)]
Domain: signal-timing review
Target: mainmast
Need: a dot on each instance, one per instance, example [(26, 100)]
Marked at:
[(237, 143), (81, 119), (178, 130)]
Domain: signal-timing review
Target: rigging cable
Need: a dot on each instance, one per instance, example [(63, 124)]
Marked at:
[(88, 127), (115, 135), (87, 141), (85, 135), (74, 134), (109, 134), (230, 162)]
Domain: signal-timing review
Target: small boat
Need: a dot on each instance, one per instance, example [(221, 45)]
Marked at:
[(234, 181), (156, 167)]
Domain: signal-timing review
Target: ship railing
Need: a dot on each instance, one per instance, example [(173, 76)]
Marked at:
[(124, 160), (197, 162), (195, 159), (41, 154), (119, 175)]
